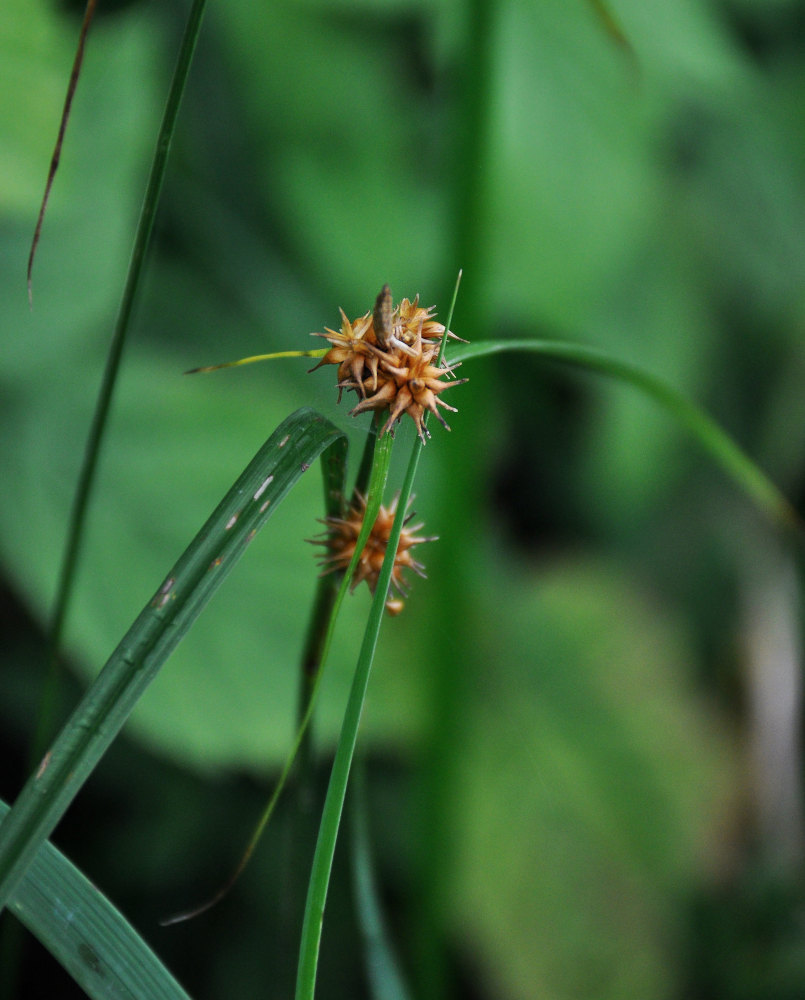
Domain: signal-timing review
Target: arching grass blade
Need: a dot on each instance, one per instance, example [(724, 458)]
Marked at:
[(289, 452), (716, 442), (86, 934)]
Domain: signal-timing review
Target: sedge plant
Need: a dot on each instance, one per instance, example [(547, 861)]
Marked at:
[(364, 541), (392, 359)]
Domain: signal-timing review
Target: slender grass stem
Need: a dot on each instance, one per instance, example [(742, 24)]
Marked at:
[(383, 972), (337, 788), (322, 618), (86, 479), (345, 751)]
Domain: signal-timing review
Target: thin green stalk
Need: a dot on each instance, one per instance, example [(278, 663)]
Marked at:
[(337, 788), (382, 967), (322, 618), (345, 751), (377, 482), (86, 479)]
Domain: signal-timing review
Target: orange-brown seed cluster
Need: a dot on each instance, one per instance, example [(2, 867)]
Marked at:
[(390, 358), (342, 535)]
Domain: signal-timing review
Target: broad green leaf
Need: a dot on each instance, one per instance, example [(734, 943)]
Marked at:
[(591, 784), (364, 161), (85, 933), (572, 187), (185, 590)]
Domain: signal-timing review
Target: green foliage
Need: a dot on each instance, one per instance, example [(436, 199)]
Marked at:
[(562, 696), (568, 864), (78, 925), (156, 632)]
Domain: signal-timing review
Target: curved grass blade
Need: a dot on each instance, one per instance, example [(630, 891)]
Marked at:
[(86, 933), (290, 450), (716, 442)]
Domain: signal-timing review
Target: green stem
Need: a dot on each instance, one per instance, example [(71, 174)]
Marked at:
[(322, 617), (337, 788), (345, 751), (383, 972), (78, 515)]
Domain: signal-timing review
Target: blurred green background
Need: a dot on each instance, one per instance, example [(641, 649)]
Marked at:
[(582, 734)]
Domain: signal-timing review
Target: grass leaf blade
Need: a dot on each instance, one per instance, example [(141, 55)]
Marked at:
[(86, 934), (382, 968), (290, 450), (97, 430)]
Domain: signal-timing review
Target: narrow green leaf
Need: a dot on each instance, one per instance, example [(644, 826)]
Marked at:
[(317, 650), (382, 968), (290, 450), (86, 934), (716, 442), (97, 430)]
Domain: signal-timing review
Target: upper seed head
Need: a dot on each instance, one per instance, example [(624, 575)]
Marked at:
[(389, 359)]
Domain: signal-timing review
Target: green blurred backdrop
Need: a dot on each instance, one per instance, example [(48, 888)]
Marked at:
[(582, 734)]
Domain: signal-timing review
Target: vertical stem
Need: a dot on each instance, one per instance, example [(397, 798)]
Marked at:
[(345, 751), (337, 788), (86, 479), (471, 155)]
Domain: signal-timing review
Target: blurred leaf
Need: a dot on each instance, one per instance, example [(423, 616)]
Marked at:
[(186, 437), (719, 446), (591, 782), (167, 435), (382, 966), (368, 156)]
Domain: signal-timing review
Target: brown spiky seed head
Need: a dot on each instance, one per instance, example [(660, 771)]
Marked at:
[(342, 534), (390, 358)]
